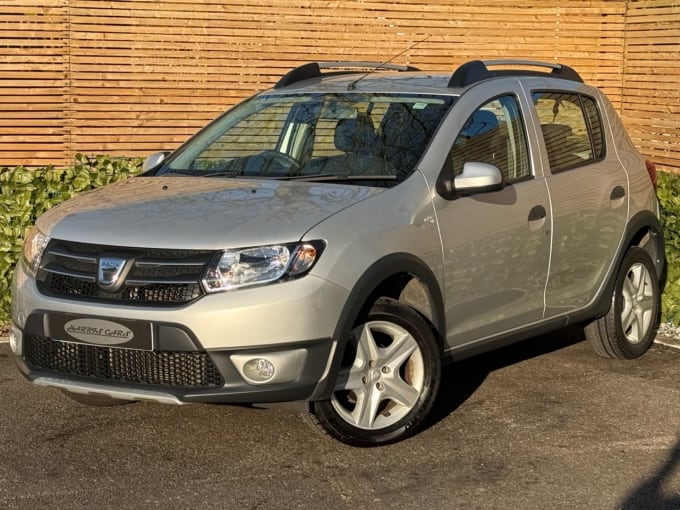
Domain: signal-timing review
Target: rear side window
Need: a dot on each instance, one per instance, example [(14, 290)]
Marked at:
[(572, 129)]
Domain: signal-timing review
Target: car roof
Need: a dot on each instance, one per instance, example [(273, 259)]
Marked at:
[(376, 82), (378, 77)]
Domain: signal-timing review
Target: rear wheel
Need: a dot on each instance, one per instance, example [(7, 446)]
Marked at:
[(629, 328), (388, 382)]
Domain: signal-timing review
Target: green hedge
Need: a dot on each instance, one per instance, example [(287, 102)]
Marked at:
[(26, 194), (669, 200)]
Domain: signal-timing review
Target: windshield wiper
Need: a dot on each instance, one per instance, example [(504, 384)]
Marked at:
[(194, 173), (224, 173), (310, 177), (344, 177), (177, 172)]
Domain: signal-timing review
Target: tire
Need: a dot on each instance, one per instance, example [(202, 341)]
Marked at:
[(628, 329), (96, 400), (388, 381)]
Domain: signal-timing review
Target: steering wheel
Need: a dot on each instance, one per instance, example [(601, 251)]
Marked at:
[(273, 162)]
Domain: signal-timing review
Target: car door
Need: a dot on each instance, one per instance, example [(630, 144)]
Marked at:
[(589, 192), (496, 244)]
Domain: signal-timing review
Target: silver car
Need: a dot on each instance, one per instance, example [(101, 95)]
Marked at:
[(333, 241)]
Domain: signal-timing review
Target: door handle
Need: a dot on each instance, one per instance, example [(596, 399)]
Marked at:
[(617, 197), (537, 213), (537, 217), (617, 193)]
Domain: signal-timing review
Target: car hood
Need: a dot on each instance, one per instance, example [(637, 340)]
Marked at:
[(198, 213)]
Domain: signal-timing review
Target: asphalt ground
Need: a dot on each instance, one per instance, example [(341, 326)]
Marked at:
[(544, 424)]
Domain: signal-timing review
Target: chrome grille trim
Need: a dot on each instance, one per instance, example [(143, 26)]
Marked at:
[(67, 254), (157, 281), (157, 276), (159, 263), (54, 269)]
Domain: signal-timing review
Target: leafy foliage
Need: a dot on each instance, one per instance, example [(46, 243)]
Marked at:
[(669, 200), (27, 193)]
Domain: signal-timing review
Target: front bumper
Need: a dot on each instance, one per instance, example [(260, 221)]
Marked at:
[(199, 350)]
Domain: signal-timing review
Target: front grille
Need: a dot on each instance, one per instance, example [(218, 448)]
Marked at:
[(166, 368), (159, 277)]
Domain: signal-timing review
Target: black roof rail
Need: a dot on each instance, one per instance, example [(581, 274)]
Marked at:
[(478, 70), (313, 70)]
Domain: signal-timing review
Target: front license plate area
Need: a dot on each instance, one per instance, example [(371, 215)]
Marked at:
[(118, 333)]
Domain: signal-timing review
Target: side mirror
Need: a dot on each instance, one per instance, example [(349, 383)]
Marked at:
[(478, 178), (154, 160)]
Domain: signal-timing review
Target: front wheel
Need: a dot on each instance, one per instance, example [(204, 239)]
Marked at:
[(629, 328), (388, 382)]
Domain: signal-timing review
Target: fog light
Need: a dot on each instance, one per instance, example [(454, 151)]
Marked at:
[(270, 367), (259, 370), (15, 340)]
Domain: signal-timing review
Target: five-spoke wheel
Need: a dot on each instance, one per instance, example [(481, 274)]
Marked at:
[(628, 329), (388, 383)]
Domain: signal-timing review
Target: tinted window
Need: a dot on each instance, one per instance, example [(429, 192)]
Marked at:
[(595, 124), (494, 134), (571, 128)]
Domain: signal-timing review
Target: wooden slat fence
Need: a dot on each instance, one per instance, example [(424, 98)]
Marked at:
[(651, 80), (136, 76), (33, 82)]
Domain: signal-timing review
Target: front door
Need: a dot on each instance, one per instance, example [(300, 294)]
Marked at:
[(495, 245)]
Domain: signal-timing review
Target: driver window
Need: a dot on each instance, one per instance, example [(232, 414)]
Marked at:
[(494, 134)]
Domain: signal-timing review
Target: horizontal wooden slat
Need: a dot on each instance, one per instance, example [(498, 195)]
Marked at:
[(651, 104), (133, 76), (33, 82)]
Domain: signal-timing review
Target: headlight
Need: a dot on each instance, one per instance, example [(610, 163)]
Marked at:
[(261, 264), (34, 245)]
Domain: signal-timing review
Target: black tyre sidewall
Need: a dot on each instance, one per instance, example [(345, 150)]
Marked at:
[(622, 344), (407, 318)]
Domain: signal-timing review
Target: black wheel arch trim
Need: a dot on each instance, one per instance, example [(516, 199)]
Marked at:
[(361, 294)]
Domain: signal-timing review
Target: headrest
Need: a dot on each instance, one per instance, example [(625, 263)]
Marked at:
[(357, 135), (480, 122), (555, 132)]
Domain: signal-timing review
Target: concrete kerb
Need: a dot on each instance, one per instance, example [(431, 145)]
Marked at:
[(668, 342)]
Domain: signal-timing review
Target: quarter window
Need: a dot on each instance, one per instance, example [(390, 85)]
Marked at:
[(595, 125), (572, 129), (494, 134)]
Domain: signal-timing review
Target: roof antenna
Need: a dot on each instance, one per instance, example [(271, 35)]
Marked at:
[(353, 84)]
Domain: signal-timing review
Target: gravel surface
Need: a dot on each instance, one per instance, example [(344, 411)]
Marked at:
[(669, 331)]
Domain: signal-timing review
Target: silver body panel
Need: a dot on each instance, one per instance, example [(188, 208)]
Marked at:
[(496, 270), (246, 318), (185, 212)]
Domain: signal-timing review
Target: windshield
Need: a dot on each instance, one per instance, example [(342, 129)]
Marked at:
[(375, 138)]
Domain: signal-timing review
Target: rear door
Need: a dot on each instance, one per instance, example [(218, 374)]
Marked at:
[(589, 193)]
